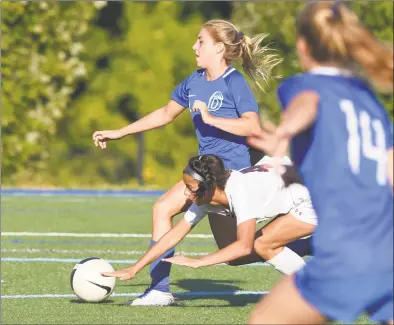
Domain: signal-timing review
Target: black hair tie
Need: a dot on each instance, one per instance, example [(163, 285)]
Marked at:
[(336, 13), (239, 36)]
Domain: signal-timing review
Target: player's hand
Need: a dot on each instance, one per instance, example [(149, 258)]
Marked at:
[(202, 107), (100, 138), (125, 274), (183, 260)]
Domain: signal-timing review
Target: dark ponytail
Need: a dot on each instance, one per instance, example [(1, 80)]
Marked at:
[(211, 169), (291, 176)]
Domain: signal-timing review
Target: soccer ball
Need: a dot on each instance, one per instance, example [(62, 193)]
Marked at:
[(88, 283)]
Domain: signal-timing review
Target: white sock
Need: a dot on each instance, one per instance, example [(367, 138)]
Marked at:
[(287, 261)]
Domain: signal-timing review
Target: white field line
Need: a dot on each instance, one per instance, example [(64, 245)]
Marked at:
[(178, 294), (76, 260), (88, 251), (90, 235)]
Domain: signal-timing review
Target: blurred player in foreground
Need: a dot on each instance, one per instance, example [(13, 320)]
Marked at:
[(342, 144)]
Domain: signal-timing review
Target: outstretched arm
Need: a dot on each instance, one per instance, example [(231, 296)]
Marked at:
[(243, 246), (157, 118), (168, 241)]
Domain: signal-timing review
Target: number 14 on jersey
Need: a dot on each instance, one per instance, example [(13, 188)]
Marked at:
[(357, 145)]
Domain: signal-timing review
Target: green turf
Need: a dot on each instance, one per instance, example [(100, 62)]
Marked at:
[(110, 215)]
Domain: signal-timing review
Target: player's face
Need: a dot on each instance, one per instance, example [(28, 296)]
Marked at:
[(205, 49), (191, 191)]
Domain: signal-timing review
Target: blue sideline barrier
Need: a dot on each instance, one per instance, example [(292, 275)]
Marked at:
[(78, 192)]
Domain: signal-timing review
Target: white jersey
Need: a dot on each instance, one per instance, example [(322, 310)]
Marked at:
[(258, 192)]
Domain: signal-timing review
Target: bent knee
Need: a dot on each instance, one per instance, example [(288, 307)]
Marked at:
[(161, 210), (266, 244)]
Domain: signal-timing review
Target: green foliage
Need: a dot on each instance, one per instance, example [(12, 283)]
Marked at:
[(144, 64), (41, 48), (278, 19)]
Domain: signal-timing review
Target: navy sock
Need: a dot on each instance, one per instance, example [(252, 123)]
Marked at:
[(160, 271)]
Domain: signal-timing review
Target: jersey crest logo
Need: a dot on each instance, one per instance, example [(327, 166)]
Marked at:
[(215, 101)]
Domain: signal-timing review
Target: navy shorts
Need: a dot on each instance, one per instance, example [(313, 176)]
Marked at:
[(345, 299)]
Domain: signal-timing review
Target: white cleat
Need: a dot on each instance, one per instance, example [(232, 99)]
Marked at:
[(153, 298)]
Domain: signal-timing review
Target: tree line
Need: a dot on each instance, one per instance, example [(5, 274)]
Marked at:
[(70, 68)]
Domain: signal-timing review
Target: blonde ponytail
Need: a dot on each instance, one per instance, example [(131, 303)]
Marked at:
[(257, 60)]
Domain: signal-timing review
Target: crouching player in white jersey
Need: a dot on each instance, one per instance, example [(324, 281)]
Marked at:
[(254, 193)]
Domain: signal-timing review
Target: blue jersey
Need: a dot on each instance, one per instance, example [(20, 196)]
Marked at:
[(342, 159), (228, 96)]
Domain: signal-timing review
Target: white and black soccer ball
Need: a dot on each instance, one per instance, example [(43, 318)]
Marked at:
[(88, 283)]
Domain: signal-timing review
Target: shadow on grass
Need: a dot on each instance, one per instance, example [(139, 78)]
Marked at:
[(213, 290), (203, 289), (79, 301)]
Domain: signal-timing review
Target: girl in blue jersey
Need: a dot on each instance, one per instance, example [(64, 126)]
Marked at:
[(224, 112), (341, 141)]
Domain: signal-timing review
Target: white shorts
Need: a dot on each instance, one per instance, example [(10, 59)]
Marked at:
[(303, 209)]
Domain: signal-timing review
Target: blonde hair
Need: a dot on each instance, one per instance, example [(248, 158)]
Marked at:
[(257, 60), (334, 34)]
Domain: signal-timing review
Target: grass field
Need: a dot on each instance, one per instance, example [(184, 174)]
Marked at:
[(38, 263)]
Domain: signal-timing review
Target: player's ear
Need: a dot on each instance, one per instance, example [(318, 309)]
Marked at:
[(219, 47)]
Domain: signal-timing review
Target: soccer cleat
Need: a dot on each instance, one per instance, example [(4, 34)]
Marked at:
[(153, 298)]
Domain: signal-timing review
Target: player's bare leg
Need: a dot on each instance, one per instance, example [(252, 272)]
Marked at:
[(284, 305), (278, 233), (224, 230), (164, 209)]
